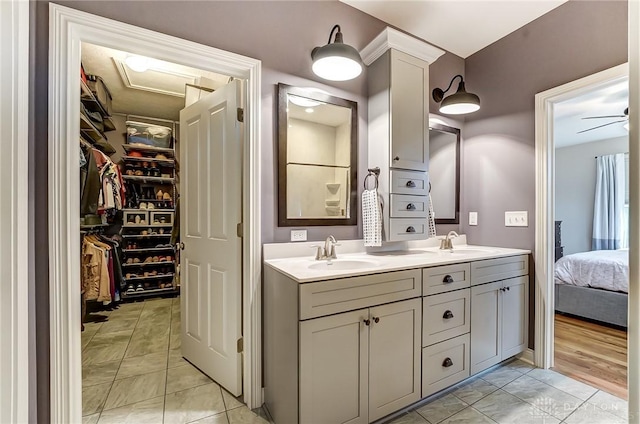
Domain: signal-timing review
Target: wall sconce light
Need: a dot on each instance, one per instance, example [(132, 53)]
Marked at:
[(459, 103), (336, 61)]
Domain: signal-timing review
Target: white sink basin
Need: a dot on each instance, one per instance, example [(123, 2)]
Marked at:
[(343, 264)]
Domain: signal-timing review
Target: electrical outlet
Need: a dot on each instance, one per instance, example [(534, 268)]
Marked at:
[(473, 218), (516, 219), (298, 235)]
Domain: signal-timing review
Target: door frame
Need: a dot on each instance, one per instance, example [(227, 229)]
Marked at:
[(545, 204), (67, 29), (16, 320)]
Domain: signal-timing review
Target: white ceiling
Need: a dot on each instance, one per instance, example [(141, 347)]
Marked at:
[(461, 27), (608, 100), (162, 77)]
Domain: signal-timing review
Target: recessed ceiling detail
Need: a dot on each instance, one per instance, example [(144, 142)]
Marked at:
[(155, 79)]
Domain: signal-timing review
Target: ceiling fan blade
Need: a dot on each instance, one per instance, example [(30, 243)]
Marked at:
[(605, 116), (600, 126)]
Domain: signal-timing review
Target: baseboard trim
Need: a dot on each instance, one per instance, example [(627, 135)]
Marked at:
[(527, 356)]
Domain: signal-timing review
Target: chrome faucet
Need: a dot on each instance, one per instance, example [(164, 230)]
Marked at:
[(445, 243), (329, 250)]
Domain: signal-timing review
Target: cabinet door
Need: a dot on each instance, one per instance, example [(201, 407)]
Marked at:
[(394, 357), (409, 112), (515, 303), (486, 317), (333, 369)]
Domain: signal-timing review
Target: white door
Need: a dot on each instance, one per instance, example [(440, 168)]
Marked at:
[(211, 193)]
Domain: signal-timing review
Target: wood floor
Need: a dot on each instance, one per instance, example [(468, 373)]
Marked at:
[(591, 353)]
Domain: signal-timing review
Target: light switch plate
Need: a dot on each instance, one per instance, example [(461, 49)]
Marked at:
[(473, 218), (298, 235), (516, 219)]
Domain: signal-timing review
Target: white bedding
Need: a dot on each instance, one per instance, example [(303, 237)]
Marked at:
[(601, 269)]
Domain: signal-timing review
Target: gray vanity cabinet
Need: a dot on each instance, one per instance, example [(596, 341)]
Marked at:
[(499, 315)]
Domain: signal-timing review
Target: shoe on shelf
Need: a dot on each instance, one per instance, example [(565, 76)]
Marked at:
[(130, 288), (139, 287), (143, 205)]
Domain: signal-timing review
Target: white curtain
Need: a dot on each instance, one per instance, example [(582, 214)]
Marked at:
[(609, 202)]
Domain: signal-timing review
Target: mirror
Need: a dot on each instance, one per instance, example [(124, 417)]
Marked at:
[(317, 158), (444, 173)]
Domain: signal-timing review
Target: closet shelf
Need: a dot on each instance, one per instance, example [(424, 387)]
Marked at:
[(150, 277), (145, 148), (144, 264), (147, 292), (143, 179), (88, 128), (90, 227), (165, 163), (128, 225), (152, 209), (148, 249), (90, 102), (140, 236)]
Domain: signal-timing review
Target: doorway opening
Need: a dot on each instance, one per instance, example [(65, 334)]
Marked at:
[(557, 197), (69, 29)]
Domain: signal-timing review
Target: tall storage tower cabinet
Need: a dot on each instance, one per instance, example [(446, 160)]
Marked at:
[(398, 80)]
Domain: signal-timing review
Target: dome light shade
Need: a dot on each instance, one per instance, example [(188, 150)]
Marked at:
[(459, 103), (137, 63), (336, 61)]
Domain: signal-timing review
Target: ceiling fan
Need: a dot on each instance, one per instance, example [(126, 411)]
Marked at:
[(625, 116)]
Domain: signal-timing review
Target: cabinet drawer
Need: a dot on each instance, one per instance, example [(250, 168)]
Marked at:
[(408, 182), (407, 206), (499, 269), (441, 279), (345, 294), (407, 229), (444, 364), (445, 316)]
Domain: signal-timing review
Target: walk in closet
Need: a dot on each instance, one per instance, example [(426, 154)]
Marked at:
[(130, 229)]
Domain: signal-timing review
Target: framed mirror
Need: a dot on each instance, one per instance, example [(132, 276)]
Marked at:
[(317, 158), (444, 173)]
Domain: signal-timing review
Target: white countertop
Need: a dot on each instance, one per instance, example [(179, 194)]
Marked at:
[(303, 269)]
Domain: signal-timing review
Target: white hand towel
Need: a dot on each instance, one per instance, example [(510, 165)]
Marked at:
[(371, 218), (432, 220)]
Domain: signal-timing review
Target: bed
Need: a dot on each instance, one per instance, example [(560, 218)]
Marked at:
[(594, 285)]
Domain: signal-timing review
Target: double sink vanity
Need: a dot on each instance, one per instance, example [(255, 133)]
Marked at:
[(357, 338)]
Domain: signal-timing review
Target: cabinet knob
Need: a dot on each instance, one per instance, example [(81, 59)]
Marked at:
[(411, 207), (447, 279), (447, 363), (507, 288), (366, 322), (396, 158), (410, 184), (376, 320), (411, 230), (447, 314)]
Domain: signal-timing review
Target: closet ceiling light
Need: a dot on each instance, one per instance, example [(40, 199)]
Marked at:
[(336, 61), (459, 103), (137, 63)]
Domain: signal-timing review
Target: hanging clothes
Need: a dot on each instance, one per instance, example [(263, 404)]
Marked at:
[(90, 183), (112, 193), (95, 281)]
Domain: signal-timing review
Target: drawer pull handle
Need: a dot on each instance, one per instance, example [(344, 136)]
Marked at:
[(447, 363), (411, 230), (447, 279), (411, 184), (366, 322), (376, 320), (411, 207), (447, 314)]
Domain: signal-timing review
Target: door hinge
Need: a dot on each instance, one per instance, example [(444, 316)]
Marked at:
[(240, 345), (240, 115), (239, 230)]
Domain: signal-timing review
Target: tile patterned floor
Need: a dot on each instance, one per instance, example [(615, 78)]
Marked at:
[(515, 392), (133, 372)]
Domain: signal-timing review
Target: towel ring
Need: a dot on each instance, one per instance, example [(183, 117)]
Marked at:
[(375, 176)]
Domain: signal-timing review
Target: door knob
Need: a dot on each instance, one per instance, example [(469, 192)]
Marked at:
[(366, 322), (411, 207), (181, 245), (376, 320), (447, 279), (410, 184), (411, 230), (447, 363), (447, 314), (396, 158)]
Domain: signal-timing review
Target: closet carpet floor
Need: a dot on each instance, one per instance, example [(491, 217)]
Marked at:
[(133, 372)]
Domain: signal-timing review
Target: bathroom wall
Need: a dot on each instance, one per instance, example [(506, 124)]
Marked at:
[(575, 189)]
